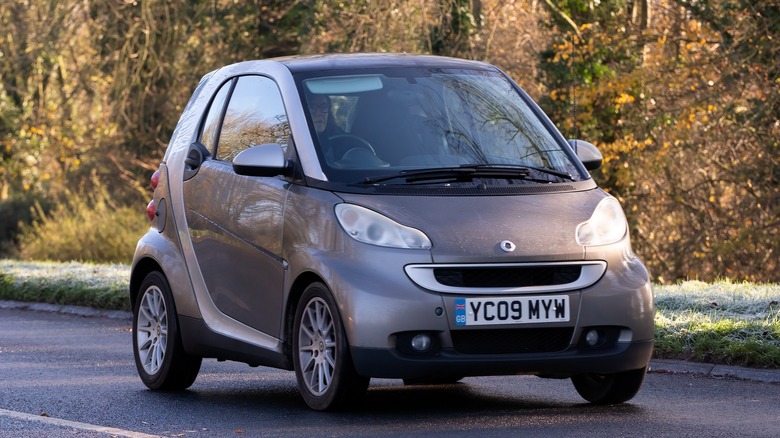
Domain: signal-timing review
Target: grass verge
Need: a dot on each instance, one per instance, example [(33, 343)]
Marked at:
[(101, 286), (721, 322)]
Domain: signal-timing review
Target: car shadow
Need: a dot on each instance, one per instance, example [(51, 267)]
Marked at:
[(387, 401)]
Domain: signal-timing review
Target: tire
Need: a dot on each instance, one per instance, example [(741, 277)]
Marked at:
[(159, 355), (607, 389), (326, 376)]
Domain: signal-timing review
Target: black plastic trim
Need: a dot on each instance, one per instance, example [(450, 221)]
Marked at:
[(200, 341), (388, 363)]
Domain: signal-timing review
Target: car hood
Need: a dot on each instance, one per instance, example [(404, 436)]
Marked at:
[(470, 229)]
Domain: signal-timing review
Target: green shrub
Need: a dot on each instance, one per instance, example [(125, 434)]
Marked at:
[(15, 213), (87, 229)]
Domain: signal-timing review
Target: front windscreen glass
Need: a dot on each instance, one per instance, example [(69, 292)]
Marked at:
[(412, 125)]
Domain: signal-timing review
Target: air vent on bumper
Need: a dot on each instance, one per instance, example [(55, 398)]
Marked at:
[(506, 277)]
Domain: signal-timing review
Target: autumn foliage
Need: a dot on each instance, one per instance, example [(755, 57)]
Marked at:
[(681, 96)]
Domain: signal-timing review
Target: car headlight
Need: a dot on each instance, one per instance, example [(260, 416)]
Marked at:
[(607, 225), (370, 227)]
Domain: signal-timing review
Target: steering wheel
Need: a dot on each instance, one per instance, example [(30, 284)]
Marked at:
[(347, 142)]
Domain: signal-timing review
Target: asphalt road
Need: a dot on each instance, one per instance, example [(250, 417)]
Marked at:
[(65, 375)]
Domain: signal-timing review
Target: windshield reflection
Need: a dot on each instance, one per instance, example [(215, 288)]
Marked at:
[(406, 119)]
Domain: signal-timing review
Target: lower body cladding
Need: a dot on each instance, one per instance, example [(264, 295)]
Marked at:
[(438, 361)]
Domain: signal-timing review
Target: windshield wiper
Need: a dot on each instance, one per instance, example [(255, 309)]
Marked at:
[(553, 172), (461, 172), (421, 175), (470, 171)]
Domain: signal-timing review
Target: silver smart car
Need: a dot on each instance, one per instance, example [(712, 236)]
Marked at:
[(394, 216)]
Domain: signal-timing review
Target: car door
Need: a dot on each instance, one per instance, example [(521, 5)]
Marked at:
[(235, 222)]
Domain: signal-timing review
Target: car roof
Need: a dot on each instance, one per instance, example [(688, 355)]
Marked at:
[(304, 63), (351, 61)]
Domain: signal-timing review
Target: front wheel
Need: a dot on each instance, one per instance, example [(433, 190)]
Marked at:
[(159, 355), (607, 389), (326, 377)]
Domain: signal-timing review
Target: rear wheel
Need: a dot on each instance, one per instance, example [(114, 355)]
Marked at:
[(606, 389), (326, 376), (157, 347)]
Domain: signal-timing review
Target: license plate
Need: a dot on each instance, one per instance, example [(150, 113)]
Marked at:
[(511, 310)]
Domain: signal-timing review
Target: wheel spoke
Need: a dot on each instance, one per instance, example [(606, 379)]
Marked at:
[(154, 299), (313, 376), (143, 352), (158, 357), (145, 345), (320, 315), (311, 318), (151, 305), (327, 371), (309, 371), (152, 360), (327, 329), (311, 362), (309, 333), (307, 348), (145, 313), (329, 359)]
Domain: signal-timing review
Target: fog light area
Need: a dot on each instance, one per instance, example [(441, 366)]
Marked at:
[(421, 343), (592, 338)]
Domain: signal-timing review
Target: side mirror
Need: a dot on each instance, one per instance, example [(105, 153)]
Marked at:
[(587, 153), (264, 160)]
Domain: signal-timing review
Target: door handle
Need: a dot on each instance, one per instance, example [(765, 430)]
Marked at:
[(195, 157)]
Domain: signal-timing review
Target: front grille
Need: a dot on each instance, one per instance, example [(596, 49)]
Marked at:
[(514, 276), (512, 341)]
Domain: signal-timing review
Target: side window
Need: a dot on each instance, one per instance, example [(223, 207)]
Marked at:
[(255, 115), (208, 135)]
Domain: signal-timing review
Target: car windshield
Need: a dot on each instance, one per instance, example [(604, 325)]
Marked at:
[(379, 125)]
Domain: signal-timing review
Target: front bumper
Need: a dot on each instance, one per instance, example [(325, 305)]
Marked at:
[(619, 307)]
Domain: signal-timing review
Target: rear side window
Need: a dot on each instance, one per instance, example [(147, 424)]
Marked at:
[(208, 136), (255, 115)]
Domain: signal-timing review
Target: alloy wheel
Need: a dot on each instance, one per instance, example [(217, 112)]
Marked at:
[(317, 346), (152, 330)]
